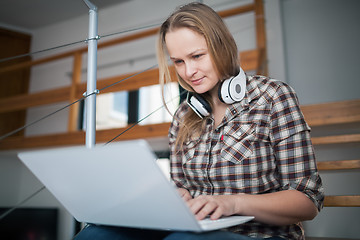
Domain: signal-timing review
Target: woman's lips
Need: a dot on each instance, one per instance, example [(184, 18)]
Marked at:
[(197, 81)]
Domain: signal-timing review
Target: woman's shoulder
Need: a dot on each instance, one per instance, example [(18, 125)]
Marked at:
[(269, 88), (264, 82), (181, 110)]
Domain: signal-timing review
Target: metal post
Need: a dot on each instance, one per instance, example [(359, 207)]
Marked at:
[(91, 76)]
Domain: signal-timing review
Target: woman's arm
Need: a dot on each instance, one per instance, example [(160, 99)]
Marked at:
[(278, 208)]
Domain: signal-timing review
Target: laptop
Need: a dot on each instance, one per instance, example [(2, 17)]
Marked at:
[(119, 184)]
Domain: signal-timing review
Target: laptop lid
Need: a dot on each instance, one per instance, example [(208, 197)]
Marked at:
[(119, 184)]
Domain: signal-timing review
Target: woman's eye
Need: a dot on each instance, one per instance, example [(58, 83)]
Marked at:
[(197, 56), (178, 61)]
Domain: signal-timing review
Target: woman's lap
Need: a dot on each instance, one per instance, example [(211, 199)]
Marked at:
[(99, 232), (214, 235), (116, 233)]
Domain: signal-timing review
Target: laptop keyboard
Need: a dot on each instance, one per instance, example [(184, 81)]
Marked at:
[(224, 222)]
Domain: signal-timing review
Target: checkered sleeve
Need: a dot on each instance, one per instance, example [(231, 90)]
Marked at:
[(292, 146)]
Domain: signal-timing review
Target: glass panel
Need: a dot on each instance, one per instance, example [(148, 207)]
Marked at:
[(152, 109), (112, 110)]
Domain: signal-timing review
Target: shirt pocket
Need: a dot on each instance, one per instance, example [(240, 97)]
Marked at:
[(238, 142), (190, 149)]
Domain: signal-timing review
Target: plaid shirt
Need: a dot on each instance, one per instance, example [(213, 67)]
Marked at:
[(262, 145)]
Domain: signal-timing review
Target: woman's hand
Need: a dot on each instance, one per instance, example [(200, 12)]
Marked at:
[(185, 195), (215, 206)]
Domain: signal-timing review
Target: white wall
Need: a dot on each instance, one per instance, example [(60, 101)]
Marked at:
[(321, 46), (311, 45)]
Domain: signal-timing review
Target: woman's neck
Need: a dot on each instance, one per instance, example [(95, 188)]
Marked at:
[(219, 108)]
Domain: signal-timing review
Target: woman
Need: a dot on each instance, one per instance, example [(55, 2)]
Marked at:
[(250, 157), (239, 144)]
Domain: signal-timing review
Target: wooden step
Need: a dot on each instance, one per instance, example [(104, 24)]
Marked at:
[(332, 113), (338, 165), (342, 201), (336, 139), (326, 238)]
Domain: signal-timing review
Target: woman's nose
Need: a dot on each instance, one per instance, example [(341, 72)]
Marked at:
[(190, 70)]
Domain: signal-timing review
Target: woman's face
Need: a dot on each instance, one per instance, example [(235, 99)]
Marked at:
[(189, 53)]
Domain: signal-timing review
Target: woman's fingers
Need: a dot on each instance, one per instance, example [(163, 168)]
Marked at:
[(213, 206)]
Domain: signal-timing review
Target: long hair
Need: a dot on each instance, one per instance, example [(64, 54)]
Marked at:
[(222, 50)]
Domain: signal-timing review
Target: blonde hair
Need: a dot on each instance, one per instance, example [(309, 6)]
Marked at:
[(222, 50)]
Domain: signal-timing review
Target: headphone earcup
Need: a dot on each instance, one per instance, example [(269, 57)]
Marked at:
[(233, 89), (200, 106)]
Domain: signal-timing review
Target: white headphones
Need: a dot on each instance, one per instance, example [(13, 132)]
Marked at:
[(230, 90)]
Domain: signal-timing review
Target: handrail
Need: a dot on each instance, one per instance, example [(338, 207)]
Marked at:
[(256, 60)]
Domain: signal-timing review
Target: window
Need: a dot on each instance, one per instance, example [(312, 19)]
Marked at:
[(112, 110), (116, 110), (151, 103)]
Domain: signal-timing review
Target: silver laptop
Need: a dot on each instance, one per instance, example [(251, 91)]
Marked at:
[(119, 184)]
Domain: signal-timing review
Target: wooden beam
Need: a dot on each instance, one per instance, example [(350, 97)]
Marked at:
[(36, 99), (76, 80), (261, 36), (236, 11), (338, 165), (124, 83), (136, 132), (337, 139), (249, 60), (342, 201), (128, 38), (36, 62), (24, 101), (78, 137)]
